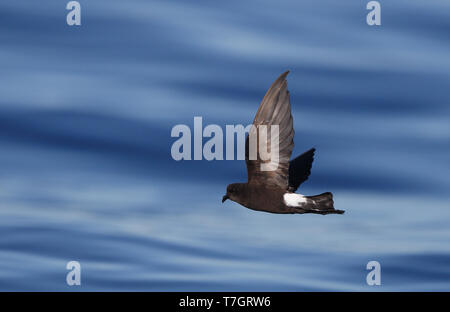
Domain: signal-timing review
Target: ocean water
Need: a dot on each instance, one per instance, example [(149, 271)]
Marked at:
[(86, 172)]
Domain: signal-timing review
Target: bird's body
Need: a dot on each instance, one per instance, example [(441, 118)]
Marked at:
[(253, 197), (272, 199), (272, 182)]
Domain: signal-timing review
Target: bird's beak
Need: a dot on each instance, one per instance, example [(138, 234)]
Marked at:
[(224, 198)]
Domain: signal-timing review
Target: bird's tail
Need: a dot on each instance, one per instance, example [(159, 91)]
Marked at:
[(323, 204)]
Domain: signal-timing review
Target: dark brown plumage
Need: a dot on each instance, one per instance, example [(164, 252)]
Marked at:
[(273, 190)]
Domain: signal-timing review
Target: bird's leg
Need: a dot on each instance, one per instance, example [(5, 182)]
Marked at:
[(322, 212)]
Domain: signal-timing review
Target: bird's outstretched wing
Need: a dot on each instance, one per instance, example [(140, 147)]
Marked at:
[(275, 109), (300, 169)]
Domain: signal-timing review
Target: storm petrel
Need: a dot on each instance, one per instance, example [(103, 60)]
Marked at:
[(274, 190)]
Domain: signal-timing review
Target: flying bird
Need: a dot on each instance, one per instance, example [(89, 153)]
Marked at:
[(274, 190)]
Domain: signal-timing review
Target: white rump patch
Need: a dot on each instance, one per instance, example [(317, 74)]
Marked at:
[(294, 200)]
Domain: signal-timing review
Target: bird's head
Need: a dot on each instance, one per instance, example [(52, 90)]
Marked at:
[(233, 192)]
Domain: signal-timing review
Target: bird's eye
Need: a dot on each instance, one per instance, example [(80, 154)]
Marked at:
[(231, 191)]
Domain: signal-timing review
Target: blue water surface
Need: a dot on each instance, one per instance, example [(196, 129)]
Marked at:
[(86, 173)]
